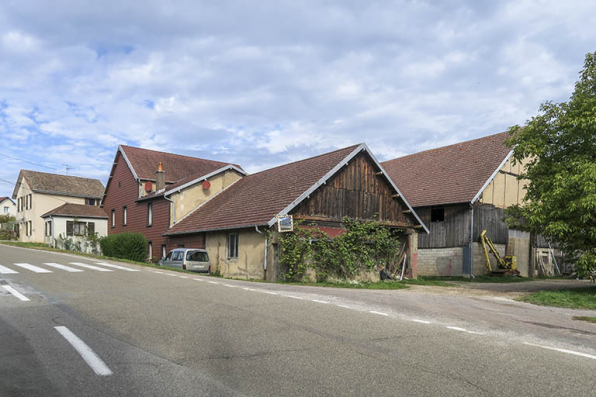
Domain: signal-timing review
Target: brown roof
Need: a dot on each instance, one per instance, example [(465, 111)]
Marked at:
[(77, 210), (63, 185), (257, 198), (145, 162), (450, 174)]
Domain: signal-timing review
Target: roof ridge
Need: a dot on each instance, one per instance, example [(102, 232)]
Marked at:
[(444, 147), (69, 176), (308, 158), (173, 154)]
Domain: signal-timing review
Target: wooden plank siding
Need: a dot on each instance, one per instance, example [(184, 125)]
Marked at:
[(123, 190), (454, 231), (355, 192)]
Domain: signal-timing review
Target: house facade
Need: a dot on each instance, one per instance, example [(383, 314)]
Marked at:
[(239, 225), (37, 193), (148, 191), (8, 207), (70, 224), (459, 191)]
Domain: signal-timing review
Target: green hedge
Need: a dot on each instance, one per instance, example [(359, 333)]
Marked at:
[(131, 246)]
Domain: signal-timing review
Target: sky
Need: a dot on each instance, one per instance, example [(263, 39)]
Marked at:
[(262, 83)]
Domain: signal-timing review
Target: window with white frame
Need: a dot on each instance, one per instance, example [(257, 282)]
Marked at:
[(6, 209), (149, 250), (124, 216), (149, 214), (232, 245), (48, 228), (75, 228), (113, 218)]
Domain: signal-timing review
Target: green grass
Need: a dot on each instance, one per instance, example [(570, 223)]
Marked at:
[(585, 318), (347, 284), (578, 298), (481, 279), (431, 281)]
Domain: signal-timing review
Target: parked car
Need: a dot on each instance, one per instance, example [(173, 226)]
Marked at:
[(194, 259)]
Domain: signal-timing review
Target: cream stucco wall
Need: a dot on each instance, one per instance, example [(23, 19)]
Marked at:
[(251, 254), (8, 204), (58, 228), (505, 190), (41, 203), (190, 198)]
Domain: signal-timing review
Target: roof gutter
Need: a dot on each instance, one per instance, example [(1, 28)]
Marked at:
[(266, 246)]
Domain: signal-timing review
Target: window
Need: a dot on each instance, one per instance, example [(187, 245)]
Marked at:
[(29, 201), (28, 228), (113, 218), (149, 214), (169, 256), (76, 228), (437, 214), (149, 251), (48, 228), (197, 256), (124, 216), (90, 201), (163, 251), (6, 210), (232, 245)]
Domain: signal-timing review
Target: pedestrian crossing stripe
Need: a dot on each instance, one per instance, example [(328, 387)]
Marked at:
[(62, 267), (33, 268), (71, 269), (6, 270), (99, 269)]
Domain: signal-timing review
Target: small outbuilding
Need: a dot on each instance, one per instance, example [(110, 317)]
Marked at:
[(75, 225)]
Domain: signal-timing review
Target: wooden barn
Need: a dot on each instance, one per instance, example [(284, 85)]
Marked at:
[(321, 190), (458, 191)]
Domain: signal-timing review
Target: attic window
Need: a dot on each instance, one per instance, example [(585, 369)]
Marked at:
[(437, 214)]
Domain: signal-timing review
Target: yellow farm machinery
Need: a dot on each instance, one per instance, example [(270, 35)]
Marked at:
[(506, 265)]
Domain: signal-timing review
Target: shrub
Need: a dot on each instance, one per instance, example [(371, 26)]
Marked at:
[(131, 246)]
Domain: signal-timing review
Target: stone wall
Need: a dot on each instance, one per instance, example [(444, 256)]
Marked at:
[(440, 261)]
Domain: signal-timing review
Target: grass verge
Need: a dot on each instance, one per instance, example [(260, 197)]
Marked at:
[(585, 318), (482, 279), (578, 298), (352, 284)]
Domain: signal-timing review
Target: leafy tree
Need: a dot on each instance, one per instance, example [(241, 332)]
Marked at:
[(559, 145)]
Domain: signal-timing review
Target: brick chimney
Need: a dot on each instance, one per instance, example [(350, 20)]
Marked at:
[(160, 178)]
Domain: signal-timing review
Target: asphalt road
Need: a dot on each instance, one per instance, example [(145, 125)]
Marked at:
[(164, 333)]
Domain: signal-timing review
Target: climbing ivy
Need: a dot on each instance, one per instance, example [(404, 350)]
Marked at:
[(363, 246)]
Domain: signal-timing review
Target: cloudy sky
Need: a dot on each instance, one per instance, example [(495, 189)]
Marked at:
[(266, 82)]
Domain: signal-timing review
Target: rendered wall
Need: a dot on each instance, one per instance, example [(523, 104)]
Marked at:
[(191, 197), (41, 203), (251, 252), (505, 190), (59, 230)]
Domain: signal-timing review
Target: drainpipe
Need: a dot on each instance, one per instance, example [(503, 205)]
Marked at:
[(265, 257), (173, 207), (471, 269)]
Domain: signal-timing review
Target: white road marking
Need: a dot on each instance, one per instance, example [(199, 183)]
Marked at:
[(92, 359), (294, 297), (62, 267), (421, 321), (213, 282), (183, 277), (99, 269), (16, 293), (155, 271), (271, 293), (318, 301), (128, 269), (344, 306), (169, 274), (35, 269), (5, 270), (376, 312), (563, 350), (229, 285), (197, 279), (249, 289), (458, 329)]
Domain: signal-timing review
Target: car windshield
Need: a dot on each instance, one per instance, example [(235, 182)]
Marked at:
[(197, 256)]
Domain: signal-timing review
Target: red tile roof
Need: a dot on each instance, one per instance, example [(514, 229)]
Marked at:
[(257, 198), (450, 174), (77, 210), (145, 163)]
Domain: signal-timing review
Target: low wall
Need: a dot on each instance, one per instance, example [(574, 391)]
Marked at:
[(440, 261)]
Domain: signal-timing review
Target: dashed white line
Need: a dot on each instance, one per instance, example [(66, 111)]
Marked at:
[(183, 277), (16, 293), (35, 269), (379, 313), (421, 321), (213, 282), (457, 329), (62, 267), (318, 301), (128, 269), (562, 350), (92, 359), (344, 306), (5, 270), (229, 285), (248, 289), (99, 269), (294, 297), (197, 279), (271, 293)]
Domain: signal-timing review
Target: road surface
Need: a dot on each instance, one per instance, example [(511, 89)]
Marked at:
[(73, 326)]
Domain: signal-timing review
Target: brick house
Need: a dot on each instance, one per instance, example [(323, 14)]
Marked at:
[(459, 191), (138, 194), (36, 193), (321, 190)]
